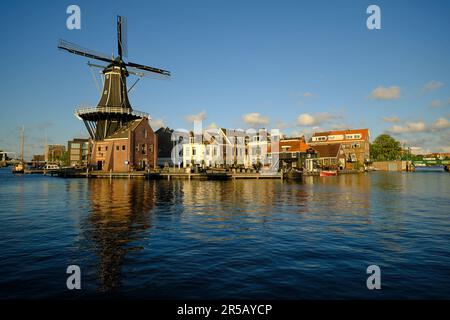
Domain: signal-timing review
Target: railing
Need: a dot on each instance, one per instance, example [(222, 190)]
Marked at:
[(88, 110)]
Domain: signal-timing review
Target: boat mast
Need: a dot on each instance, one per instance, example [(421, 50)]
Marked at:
[(22, 141)]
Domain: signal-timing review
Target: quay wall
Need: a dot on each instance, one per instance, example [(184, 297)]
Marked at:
[(393, 165)]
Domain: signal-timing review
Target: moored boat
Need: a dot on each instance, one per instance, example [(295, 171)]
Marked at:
[(18, 168), (328, 173), (294, 174)]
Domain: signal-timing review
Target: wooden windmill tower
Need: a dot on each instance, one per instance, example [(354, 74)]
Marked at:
[(113, 114)]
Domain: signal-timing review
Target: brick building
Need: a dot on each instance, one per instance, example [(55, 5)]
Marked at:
[(133, 147), (353, 146)]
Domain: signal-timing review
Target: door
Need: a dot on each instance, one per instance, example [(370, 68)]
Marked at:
[(99, 165)]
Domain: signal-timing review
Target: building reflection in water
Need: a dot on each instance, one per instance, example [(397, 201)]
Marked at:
[(120, 212), (215, 211)]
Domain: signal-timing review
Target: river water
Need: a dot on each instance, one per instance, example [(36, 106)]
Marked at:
[(226, 239)]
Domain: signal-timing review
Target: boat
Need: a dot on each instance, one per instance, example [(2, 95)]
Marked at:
[(446, 168), (20, 167), (328, 173), (294, 174)]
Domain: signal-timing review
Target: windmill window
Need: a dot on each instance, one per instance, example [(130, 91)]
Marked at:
[(105, 92)]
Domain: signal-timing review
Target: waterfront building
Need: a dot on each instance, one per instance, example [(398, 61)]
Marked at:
[(439, 155), (215, 147), (353, 144), (54, 153), (329, 155), (131, 148), (78, 150), (166, 144), (258, 149), (293, 153), (38, 160)]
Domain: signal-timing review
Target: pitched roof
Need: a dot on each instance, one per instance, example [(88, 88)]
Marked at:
[(364, 133), (290, 145), (123, 132), (330, 150)]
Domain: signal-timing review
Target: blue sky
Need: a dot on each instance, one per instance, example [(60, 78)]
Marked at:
[(297, 65)]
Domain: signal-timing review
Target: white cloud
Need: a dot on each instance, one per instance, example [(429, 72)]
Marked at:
[(440, 124), (436, 104), (391, 119), (420, 126), (432, 85), (281, 125), (196, 117), (409, 127), (308, 94), (255, 118), (383, 93), (309, 120), (305, 119), (157, 123)]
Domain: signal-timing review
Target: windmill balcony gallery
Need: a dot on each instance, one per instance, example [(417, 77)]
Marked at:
[(84, 112)]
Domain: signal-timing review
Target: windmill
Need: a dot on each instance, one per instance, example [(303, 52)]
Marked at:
[(113, 110)]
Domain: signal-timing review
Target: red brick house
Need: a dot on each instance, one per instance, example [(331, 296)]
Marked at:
[(354, 146), (133, 147)]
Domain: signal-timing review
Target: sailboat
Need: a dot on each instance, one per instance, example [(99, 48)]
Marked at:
[(20, 167)]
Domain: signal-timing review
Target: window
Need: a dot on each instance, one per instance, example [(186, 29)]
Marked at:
[(106, 148), (144, 149), (123, 148), (193, 151), (99, 149), (117, 148), (145, 134), (150, 148), (207, 151)]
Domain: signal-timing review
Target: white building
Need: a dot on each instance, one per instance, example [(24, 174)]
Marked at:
[(215, 147)]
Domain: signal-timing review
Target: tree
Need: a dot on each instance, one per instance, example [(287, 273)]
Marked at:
[(385, 148), (64, 159)]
